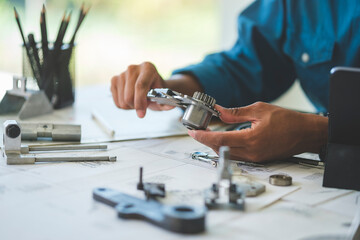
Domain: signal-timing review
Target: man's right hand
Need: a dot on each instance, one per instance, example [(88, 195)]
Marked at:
[(129, 89)]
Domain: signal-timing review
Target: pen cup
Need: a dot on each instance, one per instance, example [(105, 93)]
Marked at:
[(54, 73)]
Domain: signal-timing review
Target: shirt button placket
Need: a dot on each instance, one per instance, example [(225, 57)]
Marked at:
[(305, 57)]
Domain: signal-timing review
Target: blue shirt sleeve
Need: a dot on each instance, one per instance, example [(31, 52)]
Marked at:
[(255, 69)]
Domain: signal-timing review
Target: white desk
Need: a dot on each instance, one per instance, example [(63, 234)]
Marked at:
[(54, 200)]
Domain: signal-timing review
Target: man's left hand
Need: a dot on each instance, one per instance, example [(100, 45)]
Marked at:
[(275, 133)]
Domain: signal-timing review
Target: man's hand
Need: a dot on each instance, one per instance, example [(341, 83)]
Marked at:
[(129, 89), (275, 133)]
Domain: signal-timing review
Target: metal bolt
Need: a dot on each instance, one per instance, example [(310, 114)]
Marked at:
[(140, 185), (13, 131)]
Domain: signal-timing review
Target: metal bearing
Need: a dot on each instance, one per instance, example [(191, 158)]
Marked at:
[(280, 180)]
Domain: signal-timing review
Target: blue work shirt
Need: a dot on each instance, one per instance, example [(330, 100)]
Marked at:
[(280, 41)]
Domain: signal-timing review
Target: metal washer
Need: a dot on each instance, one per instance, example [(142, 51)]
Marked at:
[(280, 180)]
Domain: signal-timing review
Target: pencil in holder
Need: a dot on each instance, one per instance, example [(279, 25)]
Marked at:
[(54, 72)]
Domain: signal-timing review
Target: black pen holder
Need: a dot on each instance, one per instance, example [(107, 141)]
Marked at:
[(54, 73)]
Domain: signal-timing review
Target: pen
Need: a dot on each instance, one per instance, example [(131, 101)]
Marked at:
[(105, 126), (307, 162)]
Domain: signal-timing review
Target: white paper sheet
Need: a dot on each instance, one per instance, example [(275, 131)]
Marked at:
[(309, 180)]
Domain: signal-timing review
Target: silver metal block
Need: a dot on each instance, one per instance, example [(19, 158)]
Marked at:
[(12, 151), (39, 148), (25, 103), (252, 189), (12, 136), (224, 166), (57, 132), (199, 107)]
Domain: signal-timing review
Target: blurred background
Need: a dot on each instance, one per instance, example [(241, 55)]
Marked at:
[(115, 34)]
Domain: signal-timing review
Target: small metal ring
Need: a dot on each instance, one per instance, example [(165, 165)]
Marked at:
[(280, 180)]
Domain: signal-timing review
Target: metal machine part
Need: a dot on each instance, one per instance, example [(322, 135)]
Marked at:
[(280, 180), (252, 189), (12, 151), (151, 190), (214, 160), (225, 193), (235, 198), (56, 132), (178, 218), (15, 159), (198, 109), (224, 170), (39, 148), (26, 103), (204, 157)]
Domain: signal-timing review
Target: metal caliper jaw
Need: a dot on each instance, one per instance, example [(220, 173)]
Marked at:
[(199, 108)]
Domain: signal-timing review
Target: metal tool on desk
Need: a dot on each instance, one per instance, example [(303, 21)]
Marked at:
[(225, 193), (50, 148), (204, 157), (199, 107), (280, 180), (252, 189), (55, 132), (214, 160), (177, 218), (26, 103), (12, 151), (151, 190)]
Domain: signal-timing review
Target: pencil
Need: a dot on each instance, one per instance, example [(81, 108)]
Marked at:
[(57, 41), (65, 28), (44, 40), (27, 49), (35, 55), (82, 16), (104, 125)]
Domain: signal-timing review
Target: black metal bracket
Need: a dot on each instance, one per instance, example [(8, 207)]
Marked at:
[(178, 218)]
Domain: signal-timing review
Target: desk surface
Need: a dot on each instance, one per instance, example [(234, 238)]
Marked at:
[(54, 200)]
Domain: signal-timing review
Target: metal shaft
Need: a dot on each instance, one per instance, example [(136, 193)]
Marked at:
[(66, 147), (207, 160), (75, 159)]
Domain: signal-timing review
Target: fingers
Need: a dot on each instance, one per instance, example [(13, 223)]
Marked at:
[(129, 89), (236, 115), (121, 92), (114, 90), (159, 107), (218, 139), (142, 86), (241, 146)]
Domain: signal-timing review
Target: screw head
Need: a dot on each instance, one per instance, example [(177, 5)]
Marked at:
[(13, 131)]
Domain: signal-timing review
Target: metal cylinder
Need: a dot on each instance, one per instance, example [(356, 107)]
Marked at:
[(196, 117)]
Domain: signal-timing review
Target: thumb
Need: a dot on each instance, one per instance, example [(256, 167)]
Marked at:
[(235, 115)]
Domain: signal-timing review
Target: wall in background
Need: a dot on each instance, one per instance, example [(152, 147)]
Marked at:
[(115, 34)]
